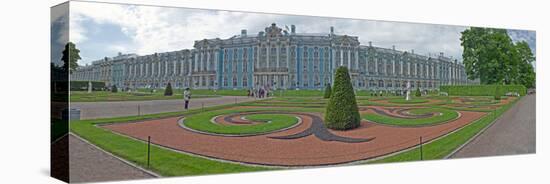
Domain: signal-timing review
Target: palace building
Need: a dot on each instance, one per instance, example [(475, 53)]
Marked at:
[(278, 59)]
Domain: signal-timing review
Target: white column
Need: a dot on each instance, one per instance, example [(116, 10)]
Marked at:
[(341, 56), (288, 58), (268, 52), (393, 66), (278, 52), (158, 67), (189, 66), (357, 59), (207, 60), (201, 61), (175, 67), (376, 65), (216, 60), (165, 67), (349, 58), (196, 67), (409, 68)]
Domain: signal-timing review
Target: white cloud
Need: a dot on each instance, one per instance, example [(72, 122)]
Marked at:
[(161, 29)]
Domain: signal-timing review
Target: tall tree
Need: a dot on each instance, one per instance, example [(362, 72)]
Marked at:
[(490, 55), (70, 58), (526, 69)]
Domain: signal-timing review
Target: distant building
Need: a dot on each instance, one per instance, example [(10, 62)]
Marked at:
[(278, 59)]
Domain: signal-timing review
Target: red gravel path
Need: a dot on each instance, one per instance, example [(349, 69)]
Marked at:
[(307, 151)]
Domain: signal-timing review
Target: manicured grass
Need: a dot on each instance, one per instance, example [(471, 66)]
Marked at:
[(105, 96), (410, 101), (445, 115), (202, 122), (444, 146)]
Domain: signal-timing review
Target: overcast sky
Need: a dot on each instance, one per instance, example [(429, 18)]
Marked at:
[(101, 30)]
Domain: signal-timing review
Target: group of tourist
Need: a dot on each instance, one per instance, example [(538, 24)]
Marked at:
[(261, 92)]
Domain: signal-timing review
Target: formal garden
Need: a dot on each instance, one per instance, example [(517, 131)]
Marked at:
[(303, 129)]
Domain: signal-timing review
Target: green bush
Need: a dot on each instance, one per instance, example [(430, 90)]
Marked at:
[(417, 93), (342, 112), (497, 93), (114, 89), (483, 90), (328, 91), (168, 90)]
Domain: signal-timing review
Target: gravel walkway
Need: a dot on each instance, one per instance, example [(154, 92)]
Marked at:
[(92, 110), (89, 164), (513, 133)]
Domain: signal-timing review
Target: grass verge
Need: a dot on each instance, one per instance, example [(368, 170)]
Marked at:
[(445, 115)]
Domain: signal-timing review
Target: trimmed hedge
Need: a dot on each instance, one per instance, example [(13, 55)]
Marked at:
[(328, 91), (342, 112), (417, 93), (114, 89), (83, 85), (483, 90)]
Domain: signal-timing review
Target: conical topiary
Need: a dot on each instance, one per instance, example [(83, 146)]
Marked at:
[(342, 112), (114, 89), (168, 90), (328, 91), (417, 93)]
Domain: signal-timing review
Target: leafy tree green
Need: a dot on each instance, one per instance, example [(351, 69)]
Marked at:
[(526, 70), (328, 91), (490, 55), (70, 58), (168, 90), (114, 89), (342, 112), (417, 93)]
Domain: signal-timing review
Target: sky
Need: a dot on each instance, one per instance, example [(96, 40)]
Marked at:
[(102, 30)]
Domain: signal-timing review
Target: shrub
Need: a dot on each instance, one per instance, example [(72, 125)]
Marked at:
[(168, 90), (342, 112), (417, 93), (114, 89), (328, 91), (497, 93)]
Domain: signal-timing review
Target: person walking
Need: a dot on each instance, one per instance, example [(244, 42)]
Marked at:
[(187, 97)]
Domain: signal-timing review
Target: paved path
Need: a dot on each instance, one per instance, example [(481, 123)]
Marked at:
[(513, 133), (92, 110), (89, 164)]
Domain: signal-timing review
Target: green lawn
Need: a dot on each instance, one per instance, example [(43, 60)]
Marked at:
[(201, 122), (445, 116)]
